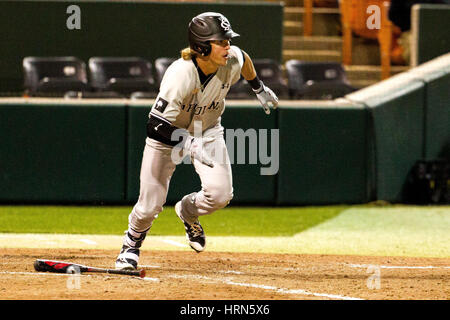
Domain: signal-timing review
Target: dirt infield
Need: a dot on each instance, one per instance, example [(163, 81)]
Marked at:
[(228, 276)]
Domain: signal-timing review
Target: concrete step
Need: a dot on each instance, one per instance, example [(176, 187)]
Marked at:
[(290, 3), (326, 21), (296, 13), (292, 28), (364, 51), (313, 55), (312, 43), (360, 84), (318, 48), (369, 72), (361, 76)]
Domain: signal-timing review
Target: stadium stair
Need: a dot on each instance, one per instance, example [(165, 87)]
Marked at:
[(325, 44)]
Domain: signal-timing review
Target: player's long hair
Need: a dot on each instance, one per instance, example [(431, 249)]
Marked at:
[(188, 53)]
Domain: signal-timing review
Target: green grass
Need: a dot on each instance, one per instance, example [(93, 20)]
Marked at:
[(63, 219), (232, 221), (389, 230), (383, 231)]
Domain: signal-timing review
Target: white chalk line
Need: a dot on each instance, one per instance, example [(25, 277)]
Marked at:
[(149, 266), (174, 243), (67, 275), (395, 267), (150, 279), (38, 273), (230, 271), (265, 287), (88, 241)]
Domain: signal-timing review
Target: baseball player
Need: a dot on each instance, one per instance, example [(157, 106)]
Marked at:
[(186, 118)]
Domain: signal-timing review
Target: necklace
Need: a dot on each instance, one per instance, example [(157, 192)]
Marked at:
[(203, 85), (203, 78)]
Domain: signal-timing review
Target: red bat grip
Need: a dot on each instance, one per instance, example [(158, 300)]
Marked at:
[(54, 266)]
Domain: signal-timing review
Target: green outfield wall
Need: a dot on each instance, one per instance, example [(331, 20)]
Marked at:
[(113, 28), (396, 111), (355, 149), (324, 154), (61, 152), (436, 76), (410, 119)]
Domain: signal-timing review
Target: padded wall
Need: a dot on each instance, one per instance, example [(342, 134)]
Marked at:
[(430, 37), (396, 108), (436, 76), (352, 150), (59, 152), (324, 154)]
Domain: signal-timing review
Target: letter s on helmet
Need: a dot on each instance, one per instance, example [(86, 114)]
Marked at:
[(206, 27)]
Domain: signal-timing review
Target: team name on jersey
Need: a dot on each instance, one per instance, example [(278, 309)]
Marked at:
[(198, 110)]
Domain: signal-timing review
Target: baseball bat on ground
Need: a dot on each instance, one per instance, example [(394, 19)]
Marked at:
[(69, 267)]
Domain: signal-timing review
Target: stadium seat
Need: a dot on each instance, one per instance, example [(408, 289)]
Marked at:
[(93, 95), (124, 75), (54, 76), (269, 71), (316, 80), (142, 95), (161, 65), (240, 90)]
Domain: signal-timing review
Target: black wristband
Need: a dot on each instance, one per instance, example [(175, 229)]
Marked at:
[(255, 83)]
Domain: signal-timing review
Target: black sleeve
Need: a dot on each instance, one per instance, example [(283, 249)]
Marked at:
[(161, 130)]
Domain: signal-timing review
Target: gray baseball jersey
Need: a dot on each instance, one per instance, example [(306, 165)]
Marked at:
[(182, 99)]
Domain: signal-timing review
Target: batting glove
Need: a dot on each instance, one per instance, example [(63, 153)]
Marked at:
[(266, 96), (195, 146)]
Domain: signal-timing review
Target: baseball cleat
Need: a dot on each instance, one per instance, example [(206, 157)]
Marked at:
[(194, 232), (128, 258)]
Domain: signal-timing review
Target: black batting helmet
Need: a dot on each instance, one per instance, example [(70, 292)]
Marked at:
[(206, 27)]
